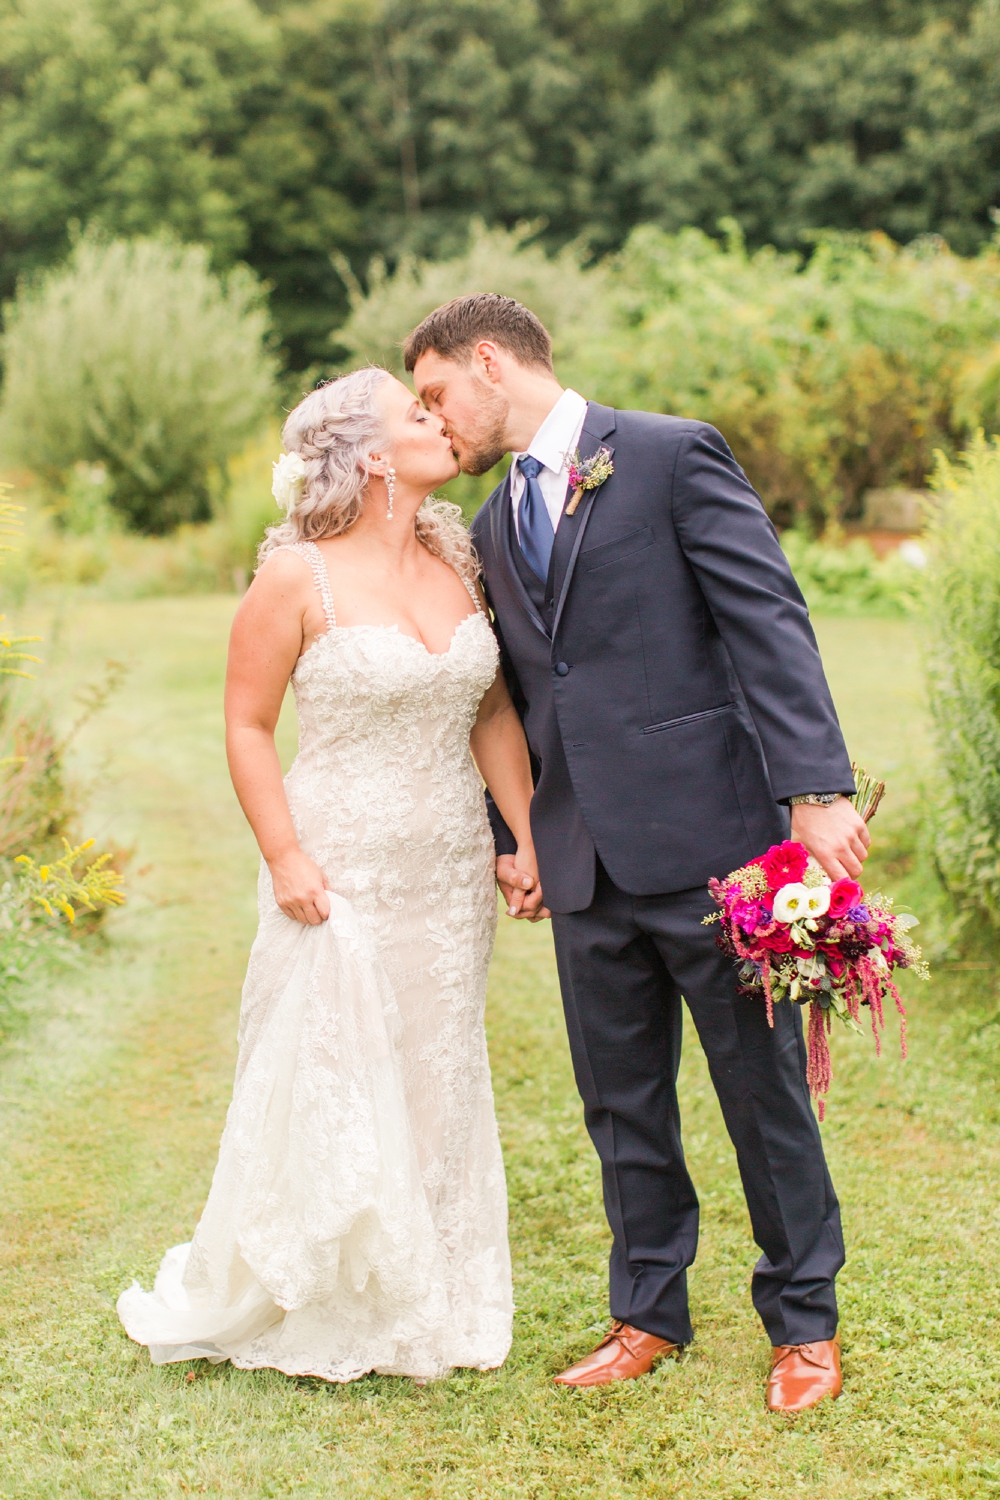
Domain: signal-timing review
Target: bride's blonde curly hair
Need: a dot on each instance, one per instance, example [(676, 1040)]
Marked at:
[(334, 430)]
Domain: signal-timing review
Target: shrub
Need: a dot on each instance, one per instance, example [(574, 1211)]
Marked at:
[(963, 670), (828, 375), (82, 547), (850, 579), (570, 301), (45, 882), (48, 881), (135, 359), (39, 907)]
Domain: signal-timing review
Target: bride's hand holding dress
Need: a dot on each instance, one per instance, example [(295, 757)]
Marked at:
[(357, 1217)]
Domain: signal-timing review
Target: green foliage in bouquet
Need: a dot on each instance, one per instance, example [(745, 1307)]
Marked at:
[(963, 673), (133, 356), (868, 792)]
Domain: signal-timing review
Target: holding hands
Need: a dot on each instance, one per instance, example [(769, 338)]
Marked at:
[(517, 877)]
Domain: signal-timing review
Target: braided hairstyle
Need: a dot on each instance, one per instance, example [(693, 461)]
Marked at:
[(334, 430)]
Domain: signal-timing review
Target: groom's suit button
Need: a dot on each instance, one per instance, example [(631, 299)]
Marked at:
[(561, 669)]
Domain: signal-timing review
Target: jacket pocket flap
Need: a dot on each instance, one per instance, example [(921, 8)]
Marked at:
[(621, 546), (708, 713)]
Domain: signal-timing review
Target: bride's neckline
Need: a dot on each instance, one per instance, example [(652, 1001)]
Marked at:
[(403, 635)]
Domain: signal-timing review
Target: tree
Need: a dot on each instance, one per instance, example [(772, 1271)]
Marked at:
[(140, 117), (867, 129), (283, 132)]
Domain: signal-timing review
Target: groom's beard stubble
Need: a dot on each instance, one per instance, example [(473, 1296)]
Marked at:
[(482, 447)]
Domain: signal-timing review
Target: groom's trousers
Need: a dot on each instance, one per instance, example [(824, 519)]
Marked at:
[(624, 965)]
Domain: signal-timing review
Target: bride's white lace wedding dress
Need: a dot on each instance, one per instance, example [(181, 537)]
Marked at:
[(357, 1218)]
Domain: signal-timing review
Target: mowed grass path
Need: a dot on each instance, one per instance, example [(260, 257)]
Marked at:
[(112, 1104)]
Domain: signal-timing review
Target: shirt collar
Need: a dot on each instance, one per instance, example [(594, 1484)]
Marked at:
[(559, 434)]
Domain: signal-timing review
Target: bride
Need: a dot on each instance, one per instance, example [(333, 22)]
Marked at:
[(357, 1219)]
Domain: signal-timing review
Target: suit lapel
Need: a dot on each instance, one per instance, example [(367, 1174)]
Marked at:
[(500, 531), (598, 424)]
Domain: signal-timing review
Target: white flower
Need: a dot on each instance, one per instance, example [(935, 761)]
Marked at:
[(819, 900), (289, 477), (790, 903), (794, 903)]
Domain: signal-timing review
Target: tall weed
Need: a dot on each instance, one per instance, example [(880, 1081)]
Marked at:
[(46, 881), (963, 671)]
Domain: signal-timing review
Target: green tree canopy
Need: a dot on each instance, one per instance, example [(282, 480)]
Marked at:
[(138, 117), (279, 132)]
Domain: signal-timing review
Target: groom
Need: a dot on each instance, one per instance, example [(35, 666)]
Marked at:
[(660, 654)]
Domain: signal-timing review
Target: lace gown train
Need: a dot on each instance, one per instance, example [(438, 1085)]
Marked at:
[(357, 1219)]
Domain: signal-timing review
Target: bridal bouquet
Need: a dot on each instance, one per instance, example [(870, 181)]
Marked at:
[(798, 935)]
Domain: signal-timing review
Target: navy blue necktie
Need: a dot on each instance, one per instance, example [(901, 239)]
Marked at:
[(534, 523)]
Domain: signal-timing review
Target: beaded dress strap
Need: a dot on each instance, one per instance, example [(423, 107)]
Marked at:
[(474, 593), (314, 557)]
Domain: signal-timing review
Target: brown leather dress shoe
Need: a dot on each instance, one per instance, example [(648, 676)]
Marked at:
[(803, 1374), (625, 1353)]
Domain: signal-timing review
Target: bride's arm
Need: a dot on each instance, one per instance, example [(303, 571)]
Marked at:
[(264, 646), (501, 753)]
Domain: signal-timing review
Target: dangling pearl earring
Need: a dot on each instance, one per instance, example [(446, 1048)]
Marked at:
[(390, 484)]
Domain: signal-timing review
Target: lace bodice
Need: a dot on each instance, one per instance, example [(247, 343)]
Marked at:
[(384, 765)]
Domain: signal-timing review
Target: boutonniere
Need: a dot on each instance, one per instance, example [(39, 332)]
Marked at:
[(588, 474)]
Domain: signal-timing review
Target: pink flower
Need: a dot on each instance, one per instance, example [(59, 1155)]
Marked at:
[(747, 914), (844, 896), (785, 864)]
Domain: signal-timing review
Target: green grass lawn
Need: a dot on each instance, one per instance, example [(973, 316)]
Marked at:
[(112, 1102)]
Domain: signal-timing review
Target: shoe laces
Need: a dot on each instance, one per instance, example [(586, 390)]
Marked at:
[(808, 1353)]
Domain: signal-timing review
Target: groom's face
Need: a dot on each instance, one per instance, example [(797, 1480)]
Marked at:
[(474, 410)]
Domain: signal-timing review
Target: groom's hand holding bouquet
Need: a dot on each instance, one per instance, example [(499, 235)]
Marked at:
[(837, 836)]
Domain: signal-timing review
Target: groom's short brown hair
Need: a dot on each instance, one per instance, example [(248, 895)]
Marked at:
[(453, 330)]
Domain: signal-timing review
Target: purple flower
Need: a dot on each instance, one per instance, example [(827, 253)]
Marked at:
[(859, 914)]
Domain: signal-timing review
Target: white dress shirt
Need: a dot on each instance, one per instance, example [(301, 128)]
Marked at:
[(553, 445)]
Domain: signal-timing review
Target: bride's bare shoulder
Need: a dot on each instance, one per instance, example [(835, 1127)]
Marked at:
[(282, 588), (283, 570)]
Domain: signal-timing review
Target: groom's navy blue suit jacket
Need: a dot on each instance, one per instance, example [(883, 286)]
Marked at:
[(667, 674)]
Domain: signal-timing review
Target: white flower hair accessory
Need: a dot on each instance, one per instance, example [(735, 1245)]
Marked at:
[(289, 477)]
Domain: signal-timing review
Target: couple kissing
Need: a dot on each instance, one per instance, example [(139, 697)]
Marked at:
[(619, 653)]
